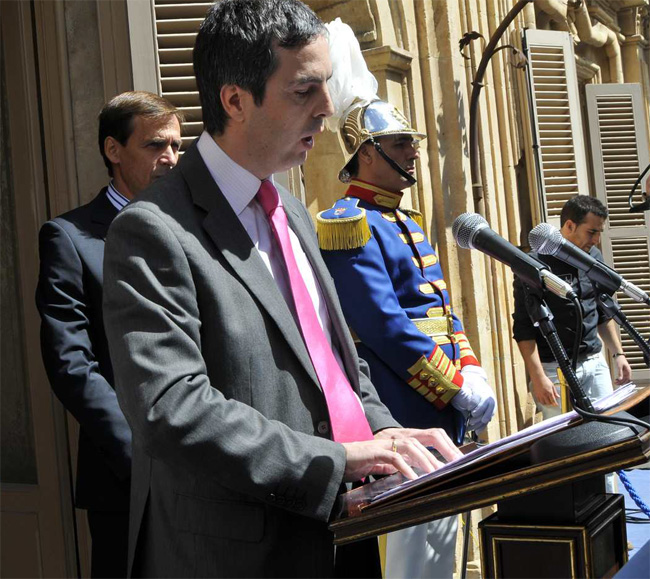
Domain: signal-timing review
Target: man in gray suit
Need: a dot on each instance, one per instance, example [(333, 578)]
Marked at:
[(233, 362)]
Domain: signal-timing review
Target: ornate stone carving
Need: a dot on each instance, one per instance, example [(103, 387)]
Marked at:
[(356, 13)]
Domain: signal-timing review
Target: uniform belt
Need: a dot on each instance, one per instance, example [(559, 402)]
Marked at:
[(441, 328)]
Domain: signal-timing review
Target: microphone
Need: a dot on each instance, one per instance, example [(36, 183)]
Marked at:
[(471, 231), (547, 240)]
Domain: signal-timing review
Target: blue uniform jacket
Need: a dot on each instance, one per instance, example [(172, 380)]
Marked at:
[(389, 279)]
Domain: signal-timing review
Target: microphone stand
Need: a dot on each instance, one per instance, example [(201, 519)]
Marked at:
[(541, 317), (611, 308)]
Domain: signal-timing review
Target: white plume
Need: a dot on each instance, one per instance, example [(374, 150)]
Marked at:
[(351, 80)]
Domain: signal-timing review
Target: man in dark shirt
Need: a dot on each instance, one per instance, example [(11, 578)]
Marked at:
[(582, 221)]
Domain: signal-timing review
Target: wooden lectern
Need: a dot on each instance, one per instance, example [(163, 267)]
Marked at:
[(553, 518)]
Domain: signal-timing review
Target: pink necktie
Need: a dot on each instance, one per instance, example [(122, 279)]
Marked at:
[(349, 423)]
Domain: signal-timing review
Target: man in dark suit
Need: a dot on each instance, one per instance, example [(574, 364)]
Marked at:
[(233, 363), (139, 138)]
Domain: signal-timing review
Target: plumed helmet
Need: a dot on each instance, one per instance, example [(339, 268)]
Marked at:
[(365, 121)]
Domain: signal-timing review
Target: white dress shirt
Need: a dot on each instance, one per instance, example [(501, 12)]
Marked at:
[(240, 187), (115, 197)]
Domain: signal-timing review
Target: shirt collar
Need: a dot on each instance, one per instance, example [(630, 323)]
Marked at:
[(115, 197), (373, 194), (238, 185)]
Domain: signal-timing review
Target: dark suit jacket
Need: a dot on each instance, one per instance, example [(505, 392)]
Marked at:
[(75, 351), (234, 471)]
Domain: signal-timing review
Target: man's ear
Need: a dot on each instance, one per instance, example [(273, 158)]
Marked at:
[(569, 226), (364, 154), (233, 101), (112, 150)]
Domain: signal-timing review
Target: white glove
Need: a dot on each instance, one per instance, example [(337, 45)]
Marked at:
[(475, 399)]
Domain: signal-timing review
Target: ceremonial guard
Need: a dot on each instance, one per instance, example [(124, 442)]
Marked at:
[(390, 281), (395, 300)]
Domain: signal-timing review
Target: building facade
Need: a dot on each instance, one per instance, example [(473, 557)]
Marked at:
[(574, 119)]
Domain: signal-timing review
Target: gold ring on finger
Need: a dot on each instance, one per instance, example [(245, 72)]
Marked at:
[(394, 448)]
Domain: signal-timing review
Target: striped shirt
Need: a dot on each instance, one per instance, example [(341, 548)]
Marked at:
[(115, 197)]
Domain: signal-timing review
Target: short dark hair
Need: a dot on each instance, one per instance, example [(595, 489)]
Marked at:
[(353, 165), (235, 46), (577, 208), (116, 117)]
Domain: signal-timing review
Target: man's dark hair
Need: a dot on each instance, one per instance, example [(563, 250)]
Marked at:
[(577, 208), (116, 117), (235, 46), (353, 165)]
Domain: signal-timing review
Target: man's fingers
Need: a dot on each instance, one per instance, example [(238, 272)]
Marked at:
[(445, 446), (435, 437), (387, 455), (625, 373), (554, 397), (415, 454), (399, 462), (373, 457), (389, 461)]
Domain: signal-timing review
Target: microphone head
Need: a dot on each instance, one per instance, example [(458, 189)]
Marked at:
[(465, 227), (545, 239)]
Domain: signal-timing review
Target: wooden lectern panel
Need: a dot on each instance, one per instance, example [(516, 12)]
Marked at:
[(595, 546)]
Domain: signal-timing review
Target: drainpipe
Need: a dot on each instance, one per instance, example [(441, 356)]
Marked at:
[(599, 35), (580, 25), (529, 16), (555, 10)]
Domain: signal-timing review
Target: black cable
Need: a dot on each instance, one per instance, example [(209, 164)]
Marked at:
[(636, 184), (632, 518), (584, 413), (611, 419), (578, 339)]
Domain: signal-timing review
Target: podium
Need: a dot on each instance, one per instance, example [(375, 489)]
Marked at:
[(548, 489), (592, 545)]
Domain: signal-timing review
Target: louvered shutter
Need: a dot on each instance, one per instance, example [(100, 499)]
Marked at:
[(177, 24), (553, 107), (619, 144)]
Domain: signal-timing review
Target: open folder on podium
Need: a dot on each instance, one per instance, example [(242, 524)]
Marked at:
[(489, 474)]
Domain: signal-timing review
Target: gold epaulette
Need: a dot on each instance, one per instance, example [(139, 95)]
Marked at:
[(415, 216), (344, 226)]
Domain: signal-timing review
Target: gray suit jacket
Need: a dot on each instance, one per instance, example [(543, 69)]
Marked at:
[(234, 470)]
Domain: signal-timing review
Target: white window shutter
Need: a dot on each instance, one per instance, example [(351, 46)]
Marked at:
[(619, 144), (177, 24), (557, 150)]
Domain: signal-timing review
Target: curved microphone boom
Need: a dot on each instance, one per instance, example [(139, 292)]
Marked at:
[(471, 231), (645, 204), (547, 240)]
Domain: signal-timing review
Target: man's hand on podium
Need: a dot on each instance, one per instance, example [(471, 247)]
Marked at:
[(398, 449)]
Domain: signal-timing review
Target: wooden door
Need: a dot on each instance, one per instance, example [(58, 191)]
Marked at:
[(37, 515)]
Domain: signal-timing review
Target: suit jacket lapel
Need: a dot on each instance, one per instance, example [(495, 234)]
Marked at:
[(234, 243)]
